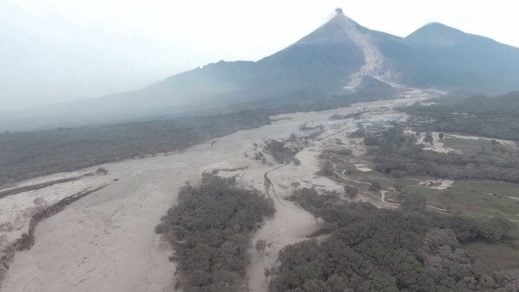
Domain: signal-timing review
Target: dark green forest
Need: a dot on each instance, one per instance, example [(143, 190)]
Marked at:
[(370, 249), (397, 154), (26, 155), (210, 230)]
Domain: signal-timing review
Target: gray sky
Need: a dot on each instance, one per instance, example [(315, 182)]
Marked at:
[(58, 50)]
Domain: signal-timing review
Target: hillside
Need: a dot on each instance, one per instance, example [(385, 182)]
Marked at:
[(452, 59), (333, 60)]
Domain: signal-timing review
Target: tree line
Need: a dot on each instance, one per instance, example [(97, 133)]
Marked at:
[(395, 153), (26, 155), (370, 249)]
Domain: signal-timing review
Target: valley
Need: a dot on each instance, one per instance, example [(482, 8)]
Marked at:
[(351, 160), (105, 241), (112, 229)]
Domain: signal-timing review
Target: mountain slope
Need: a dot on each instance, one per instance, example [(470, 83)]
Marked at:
[(318, 65), (333, 60), (452, 59)]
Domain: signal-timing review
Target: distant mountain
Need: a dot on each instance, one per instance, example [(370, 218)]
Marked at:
[(336, 59), (452, 59), (438, 35)]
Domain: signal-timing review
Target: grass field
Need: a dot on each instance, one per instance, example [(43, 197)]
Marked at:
[(471, 147), (478, 198), (495, 256)]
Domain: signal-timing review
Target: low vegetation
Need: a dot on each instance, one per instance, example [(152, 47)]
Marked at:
[(478, 198), (210, 229), (397, 154), (372, 249)]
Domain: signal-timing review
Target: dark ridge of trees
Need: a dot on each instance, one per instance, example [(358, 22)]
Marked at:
[(306, 127), (14, 191), (316, 100), (27, 240), (210, 230), (26, 155), (495, 117), (372, 249), (346, 116), (280, 152), (396, 154)]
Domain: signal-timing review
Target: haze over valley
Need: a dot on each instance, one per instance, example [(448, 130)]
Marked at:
[(338, 54)]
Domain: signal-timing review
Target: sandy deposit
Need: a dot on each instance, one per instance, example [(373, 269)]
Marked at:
[(438, 184), (362, 167), (106, 241)]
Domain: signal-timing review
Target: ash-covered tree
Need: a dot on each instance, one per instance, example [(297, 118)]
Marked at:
[(370, 249), (210, 229)]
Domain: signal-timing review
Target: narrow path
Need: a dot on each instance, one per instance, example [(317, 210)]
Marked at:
[(290, 224), (383, 196), (341, 175), (268, 182)]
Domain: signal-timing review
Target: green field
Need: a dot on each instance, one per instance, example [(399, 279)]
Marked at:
[(495, 256), (474, 197), (487, 148), (479, 198)]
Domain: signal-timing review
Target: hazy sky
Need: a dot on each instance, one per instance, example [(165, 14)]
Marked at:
[(58, 50)]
